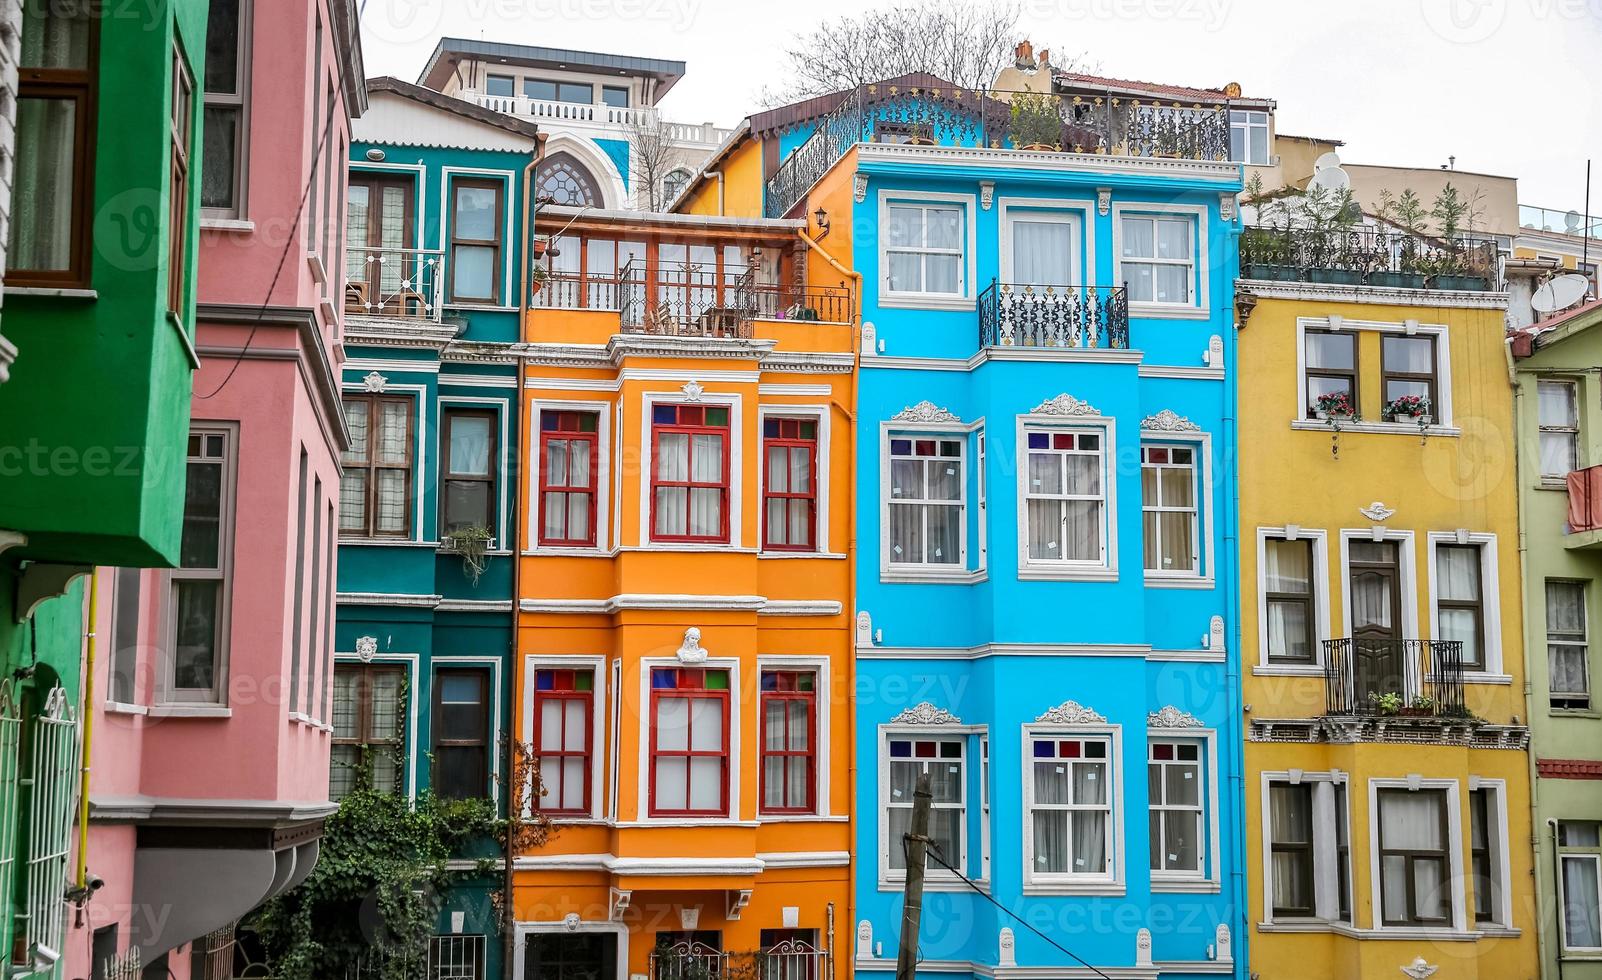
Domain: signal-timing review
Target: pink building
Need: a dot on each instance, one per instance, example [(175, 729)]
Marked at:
[(211, 715)]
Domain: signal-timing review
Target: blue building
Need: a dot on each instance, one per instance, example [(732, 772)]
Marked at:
[(424, 626), (1046, 531)]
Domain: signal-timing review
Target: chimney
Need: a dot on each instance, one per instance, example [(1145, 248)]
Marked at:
[(1045, 58), (1025, 53)]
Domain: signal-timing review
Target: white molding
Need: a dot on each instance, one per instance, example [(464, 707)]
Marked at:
[(1049, 161), (823, 741), (1326, 894), (931, 723), (596, 663), (1490, 600), (1453, 842), (1406, 571), (1442, 410), (1326, 293), (1207, 534), (732, 731), (412, 664), (926, 419), (1074, 212), (684, 603), (735, 463), (986, 650), (1089, 724), (1200, 269), (964, 298), (604, 451), (1321, 601), (1069, 414)]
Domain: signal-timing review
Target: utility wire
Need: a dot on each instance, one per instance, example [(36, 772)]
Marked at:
[(934, 852), (294, 236)]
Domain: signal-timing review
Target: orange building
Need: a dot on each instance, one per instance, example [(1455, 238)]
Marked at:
[(684, 643)]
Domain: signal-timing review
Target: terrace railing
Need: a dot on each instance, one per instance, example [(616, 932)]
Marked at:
[(1371, 256), (1385, 676), (552, 111), (792, 959), (1078, 317), (394, 282), (693, 300)]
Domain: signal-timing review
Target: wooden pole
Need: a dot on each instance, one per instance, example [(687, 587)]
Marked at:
[(915, 843)]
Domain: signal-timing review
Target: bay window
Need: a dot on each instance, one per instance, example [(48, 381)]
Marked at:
[(564, 711), (1559, 421), (1580, 854), (924, 249), (689, 741), (1291, 862), (1065, 496), (227, 82), (1567, 649), (690, 473), (789, 741), (926, 507), (1287, 583), (789, 484), (568, 445), (200, 596), (1157, 259), (1415, 866), (944, 758), (375, 487), (1174, 778), (1168, 508), (1070, 808), (180, 132)]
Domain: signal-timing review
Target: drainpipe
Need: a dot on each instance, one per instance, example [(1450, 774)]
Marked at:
[(1231, 578), (1540, 934), (719, 175), (851, 584), (86, 712)]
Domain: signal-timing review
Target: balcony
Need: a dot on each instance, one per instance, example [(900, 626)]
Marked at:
[(1370, 256), (550, 112), (1559, 222), (999, 119), (1385, 676), (396, 283), (791, 959), (1054, 317)]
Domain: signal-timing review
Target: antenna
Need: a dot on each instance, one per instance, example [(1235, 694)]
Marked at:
[(1560, 293)]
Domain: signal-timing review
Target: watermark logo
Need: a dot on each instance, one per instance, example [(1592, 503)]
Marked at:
[(1464, 21)]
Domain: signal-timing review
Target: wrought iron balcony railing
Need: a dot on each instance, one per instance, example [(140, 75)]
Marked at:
[(393, 282), (1371, 256), (1080, 317), (1585, 500), (792, 959), (999, 119), (1384, 676)]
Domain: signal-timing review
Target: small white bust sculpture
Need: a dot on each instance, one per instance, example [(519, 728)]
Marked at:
[(691, 652)]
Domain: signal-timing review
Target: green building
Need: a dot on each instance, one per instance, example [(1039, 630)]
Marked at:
[(1559, 448), (94, 415)]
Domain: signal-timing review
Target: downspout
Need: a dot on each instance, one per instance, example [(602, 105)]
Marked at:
[(86, 712), (851, 583), (1552, 833), (719, 175), (1231, 579)]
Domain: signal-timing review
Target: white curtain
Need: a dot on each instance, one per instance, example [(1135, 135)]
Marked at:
[(1287, 567), (1582, 925), (1051, 841), (1558, 453), (1287, 630), (1412, 822), (1565, 634), (1082, 530), (1556, 408), (469, 446), (906, 532), (41, 222), (1371, 600), (1291, 822), (944, 529), (672, 463), (1042, 252), (392, 433), (1457, 571), (1090, 842)]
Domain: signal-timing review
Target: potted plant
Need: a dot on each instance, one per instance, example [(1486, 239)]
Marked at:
[(1408, 408), (1407, 275), (1389, 703), (922, 134), (471, 541), (1267, 254), (1335, 405), (1036, 124), (1422, 706)]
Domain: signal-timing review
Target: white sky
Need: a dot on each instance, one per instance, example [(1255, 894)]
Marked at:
[(1507, 86)]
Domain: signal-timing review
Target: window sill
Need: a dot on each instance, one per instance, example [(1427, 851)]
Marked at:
[(481, 306), (227, 224), (119, 708), (1160, 581), (1106, 888), (557, 552), (766, 818), (387, 542), (1577, 713), (687, 822), (1377, 428), (1161, 886), (1288, 670), (1553, 483), (781, 555), (53, 292), (190, 711), (956, 576), (1066, 573), (1476, 677), (915, 301), (1168, 311), (692, 547), (934, 881), (314, 262)]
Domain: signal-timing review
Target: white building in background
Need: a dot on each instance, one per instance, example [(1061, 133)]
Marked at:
[(590, 104)]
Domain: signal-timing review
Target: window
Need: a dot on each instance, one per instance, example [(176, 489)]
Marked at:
[(1066, 496), (461, 733), (1168, 508), (789, 485), (1290, 807), (789, 734), (200, 582), (1248, 137), (561, 179), (689, 479), (500, 85), (564, 713), (1407, 368), (549, 91), (468, 484), (926, 505), (1069, 807), (1415, 872), (567, 478), (316, 137), (1157, 259), (457, 957), (51, 205), (302, 488), (1559, 422), (125, 635), (180, 127), (1288, 598), (222, 166), (615, 96), (1580, 853), (384, 277), (689, 741), (367, 738), (674, 183), (1174, 788), (1331, 367), (1343, 855), (1482, 870), (476, 241), (943, 758), (375, 486), (1567, 653), (103, 952), (1460, 604), (924, 249)]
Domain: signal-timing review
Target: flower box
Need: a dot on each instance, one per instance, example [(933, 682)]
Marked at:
[(1471, 283), (1397, 280)]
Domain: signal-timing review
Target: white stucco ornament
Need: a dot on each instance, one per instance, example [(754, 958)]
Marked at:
[(1065, 404), (1171, 717), (924, 713), (692, 391), (1169, 420), (1377, 511), (1420, 970), (1072, 713), (366, 647), (690, 652), (924, 411), (375, 382)]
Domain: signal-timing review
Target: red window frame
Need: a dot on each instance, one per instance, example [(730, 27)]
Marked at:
[(568, 428), (690, 421), (688, 684), (563, 687), (786, 687), (788, 434)]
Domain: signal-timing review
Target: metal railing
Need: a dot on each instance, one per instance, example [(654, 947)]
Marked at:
[(53, 796), (792, 959), (1383, 676), (1031, 315), (1585, 500), (1560, 222), (590, 113), (1371, 256), (999, 119), (10, 776), (394, 282)]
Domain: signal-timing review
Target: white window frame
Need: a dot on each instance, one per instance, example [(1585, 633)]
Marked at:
[(1490, 601), (1583, 643), (895, 571), (1112, 881), (1105, 570), (1026, 494), (1572, 431), (736, 474), (1565, 854), (1496, 839), (1406, 571), (1454, 853), (1441, 423), (1200, 574), (1321, 599), (239, 100), (598, 743), (820, 476), (447, 211), (936, 878), (410, 664), (420, 460), (603, 476), (1326, 889), (732, 727), (1249, 121), (963, 299), (1073, 212), (504, 450), (1208, 877), (222, 574), (821, 747), (1200, 270)]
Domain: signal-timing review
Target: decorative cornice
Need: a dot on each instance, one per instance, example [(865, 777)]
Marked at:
[(1168, 420), (1065, 404), (1171, 717), (973, 156), (924, 411), (924, 713), (1072, 713), (1385, 296)]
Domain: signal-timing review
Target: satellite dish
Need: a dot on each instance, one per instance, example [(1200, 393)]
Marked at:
[(1327, 161), (1571, 222), (1332, 179), (1560, 293)]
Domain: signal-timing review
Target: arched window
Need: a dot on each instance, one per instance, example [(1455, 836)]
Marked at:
[(672, 184), (564, 180)]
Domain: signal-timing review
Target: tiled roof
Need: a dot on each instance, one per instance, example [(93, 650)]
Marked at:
[(1072, 80), (1568, 769)]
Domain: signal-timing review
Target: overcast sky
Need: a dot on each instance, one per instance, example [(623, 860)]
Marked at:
[(1506, 86)]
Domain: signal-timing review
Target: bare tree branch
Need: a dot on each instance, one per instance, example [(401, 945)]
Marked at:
[(653, 154)]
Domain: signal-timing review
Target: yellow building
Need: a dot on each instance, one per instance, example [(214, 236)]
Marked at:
[(684, 641), (1387, 775)]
